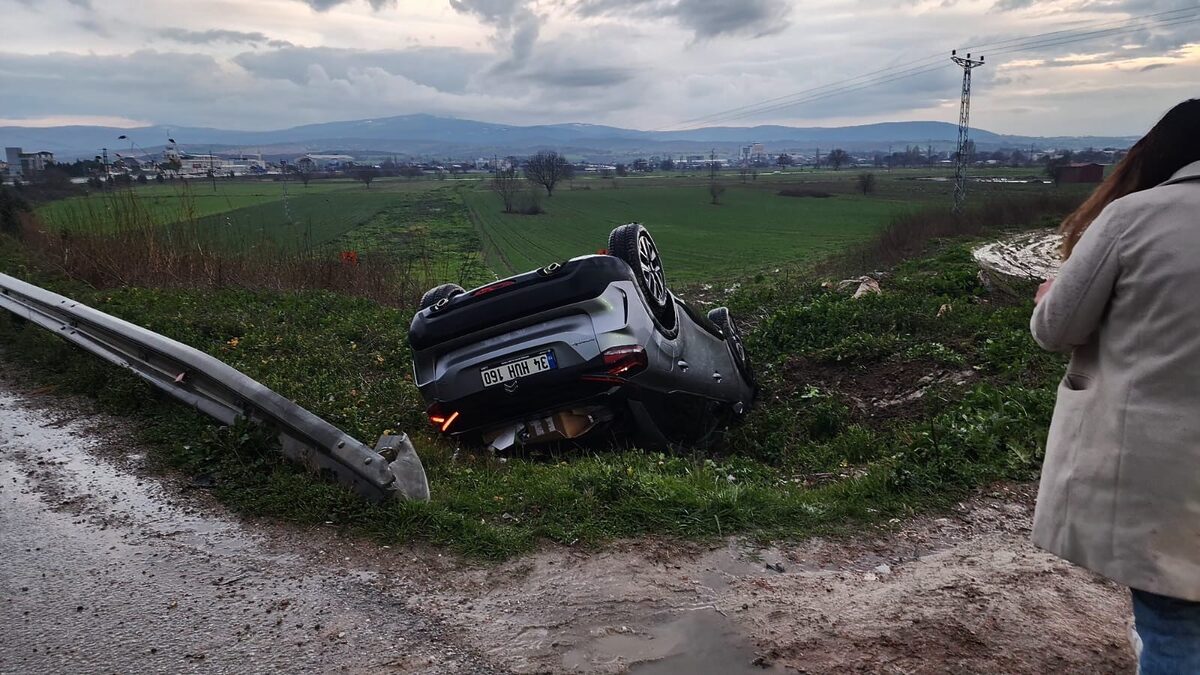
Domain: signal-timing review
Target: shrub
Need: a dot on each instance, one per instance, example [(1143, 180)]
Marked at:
[(865, 182)]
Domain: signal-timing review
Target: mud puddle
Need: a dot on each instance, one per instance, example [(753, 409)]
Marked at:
[(698, 642)]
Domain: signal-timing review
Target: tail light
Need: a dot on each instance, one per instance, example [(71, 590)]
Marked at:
[(441, 419), (625, 361), (484, 290)]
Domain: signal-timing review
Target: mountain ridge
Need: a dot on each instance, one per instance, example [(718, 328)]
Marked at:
[(425, 134)]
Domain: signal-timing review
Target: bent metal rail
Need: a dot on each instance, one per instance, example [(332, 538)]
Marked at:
[(391, 470)]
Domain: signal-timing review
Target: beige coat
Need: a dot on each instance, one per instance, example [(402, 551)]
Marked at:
[(1120, 490)]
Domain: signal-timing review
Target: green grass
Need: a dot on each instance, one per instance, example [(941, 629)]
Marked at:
[(423, 222), (452, 224), (180, 200), (751, 228), (807, 460)]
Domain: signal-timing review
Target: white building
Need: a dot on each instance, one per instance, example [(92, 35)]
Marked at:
[(192, 164), (25, 164), (311, 162)]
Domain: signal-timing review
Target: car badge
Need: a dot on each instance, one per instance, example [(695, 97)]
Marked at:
[(511, 386)]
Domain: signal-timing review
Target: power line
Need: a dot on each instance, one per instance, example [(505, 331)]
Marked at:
[(840, 88), (1011, 45), (923, 65)]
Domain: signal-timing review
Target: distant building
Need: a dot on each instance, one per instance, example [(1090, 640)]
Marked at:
[(311, 162), (194, 165), (25, 164), (755, 152), (1080, 173)]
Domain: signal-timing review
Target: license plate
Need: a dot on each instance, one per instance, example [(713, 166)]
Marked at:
[(516, 369)]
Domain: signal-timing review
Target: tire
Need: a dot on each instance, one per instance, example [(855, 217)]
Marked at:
[(733, 338), (438, 293), (633, 244)]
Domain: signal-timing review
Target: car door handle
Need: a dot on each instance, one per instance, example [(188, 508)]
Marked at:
[(683, 365), (717, 376)]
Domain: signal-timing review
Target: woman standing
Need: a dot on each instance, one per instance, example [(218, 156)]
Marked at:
[(1120, 489)]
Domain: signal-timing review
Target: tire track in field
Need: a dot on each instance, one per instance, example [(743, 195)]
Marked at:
[(507, 234), (534, 244), (485, 235)]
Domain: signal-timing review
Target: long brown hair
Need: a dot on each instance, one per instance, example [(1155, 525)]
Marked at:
[(1172, 144)]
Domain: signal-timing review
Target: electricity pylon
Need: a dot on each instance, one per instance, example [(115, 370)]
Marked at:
[(964, 124)]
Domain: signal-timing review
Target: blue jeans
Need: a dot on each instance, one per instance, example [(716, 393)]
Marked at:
[(1170, 633)]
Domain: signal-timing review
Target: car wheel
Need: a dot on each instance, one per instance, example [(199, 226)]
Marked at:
[(438, 293), (733, 337), (633, 244)]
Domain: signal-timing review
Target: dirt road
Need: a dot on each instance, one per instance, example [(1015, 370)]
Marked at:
[(108, 569)]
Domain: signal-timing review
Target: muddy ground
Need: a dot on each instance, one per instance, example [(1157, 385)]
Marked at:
[(106, 568)]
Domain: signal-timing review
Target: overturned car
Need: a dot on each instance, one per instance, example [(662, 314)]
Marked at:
[(597, 343)]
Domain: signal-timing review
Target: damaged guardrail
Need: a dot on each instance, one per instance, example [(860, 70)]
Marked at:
[(391, 470)]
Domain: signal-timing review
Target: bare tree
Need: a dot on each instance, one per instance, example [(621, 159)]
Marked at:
[(366, 175), (838, 158), (866, 182), (715, 190), (547, 169), (507, 184), (304, 176)]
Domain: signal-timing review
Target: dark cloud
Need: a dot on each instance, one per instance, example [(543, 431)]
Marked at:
[(443, 68), (201, 90), (84, 84), (705, 18), (204, 37), (1010, 5), (326, 5), (517, 28), (575, 77), (1153, 66)]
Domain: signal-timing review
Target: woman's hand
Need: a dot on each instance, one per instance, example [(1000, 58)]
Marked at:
[(1043, 290)]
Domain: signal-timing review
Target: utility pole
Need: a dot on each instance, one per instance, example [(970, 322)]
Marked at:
[(107, 174), (212, 173), (964, 124)]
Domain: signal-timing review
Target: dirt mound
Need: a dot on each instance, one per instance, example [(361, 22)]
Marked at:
[(880, 392)]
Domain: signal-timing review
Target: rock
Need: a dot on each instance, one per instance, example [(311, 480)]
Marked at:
[(866, 285)]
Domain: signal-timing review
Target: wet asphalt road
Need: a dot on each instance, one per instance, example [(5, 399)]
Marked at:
[(101, 572)]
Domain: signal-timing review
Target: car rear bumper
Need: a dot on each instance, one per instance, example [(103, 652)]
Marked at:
[(473, 313)]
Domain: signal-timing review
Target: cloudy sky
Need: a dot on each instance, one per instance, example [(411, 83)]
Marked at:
[(649, 64)]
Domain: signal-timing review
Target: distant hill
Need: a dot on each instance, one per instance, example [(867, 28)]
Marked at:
[(430, 135)]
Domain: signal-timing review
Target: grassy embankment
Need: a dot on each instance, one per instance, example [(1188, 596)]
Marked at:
[(839, 439)]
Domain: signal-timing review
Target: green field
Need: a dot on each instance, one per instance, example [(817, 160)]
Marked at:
[(750, 229), (449, 225)]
